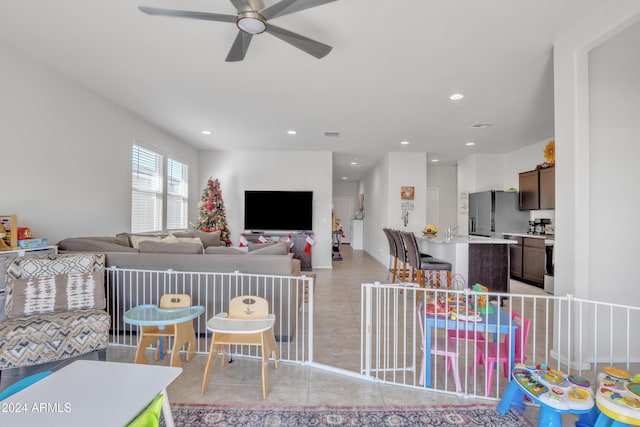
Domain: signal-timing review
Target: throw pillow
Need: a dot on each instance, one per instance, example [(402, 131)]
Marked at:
[(274, 249), (150, 246), (180, 234), (52, 265), (195, 240), (36, 295), (255, 246), (211, 238), (135, 240)]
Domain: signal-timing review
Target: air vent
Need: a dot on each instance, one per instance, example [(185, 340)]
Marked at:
[(332, 133), (481, 125)]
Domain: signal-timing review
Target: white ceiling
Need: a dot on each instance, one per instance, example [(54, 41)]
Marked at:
[(393, 66)]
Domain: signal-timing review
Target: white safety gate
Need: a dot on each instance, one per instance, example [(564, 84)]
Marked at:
[(290, 299), (572, 335)]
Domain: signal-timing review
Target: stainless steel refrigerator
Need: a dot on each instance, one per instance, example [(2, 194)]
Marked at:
[(492, 213)]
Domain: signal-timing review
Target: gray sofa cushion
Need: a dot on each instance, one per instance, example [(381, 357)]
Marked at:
[(209, 239), (149, 246), (255, 246), (94, 245), (281, 265), (273, 249), (122, 240), (222, 250)]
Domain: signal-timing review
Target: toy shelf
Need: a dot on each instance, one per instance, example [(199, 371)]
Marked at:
[(11, 224)]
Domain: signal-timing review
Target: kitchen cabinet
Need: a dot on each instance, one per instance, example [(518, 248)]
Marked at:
[(538, 189), (489, 266), (515, 257), (527, 258), (548, 188), (533, 261)]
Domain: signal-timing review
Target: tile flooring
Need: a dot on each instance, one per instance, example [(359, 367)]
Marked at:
[(337, 326)]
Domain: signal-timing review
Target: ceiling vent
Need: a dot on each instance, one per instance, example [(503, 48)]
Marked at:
[(332, 133), (481, 125)]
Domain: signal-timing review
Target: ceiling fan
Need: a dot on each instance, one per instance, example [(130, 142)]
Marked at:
[(253, 18)]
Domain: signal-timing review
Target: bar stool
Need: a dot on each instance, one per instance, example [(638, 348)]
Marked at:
[(392, 266), (428, 265), (403, 256)]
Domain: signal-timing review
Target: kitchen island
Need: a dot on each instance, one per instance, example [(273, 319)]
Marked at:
[(483, 260)]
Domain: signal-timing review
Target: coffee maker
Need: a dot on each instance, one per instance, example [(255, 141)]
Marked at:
[(532, 227), (539, 225)]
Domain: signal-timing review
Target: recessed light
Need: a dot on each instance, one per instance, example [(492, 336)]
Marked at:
[(456, 97), (470, 143), (435, 160), (206, 132), (344, 177), (292, 132), (404, 142), (354, 163)]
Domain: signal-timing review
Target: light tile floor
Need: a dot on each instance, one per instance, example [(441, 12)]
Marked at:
[(337, 326)]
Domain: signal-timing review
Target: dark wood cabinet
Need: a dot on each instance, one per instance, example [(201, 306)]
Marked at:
[(515, 257), (548, 188), (489, 266), (538, 189), (533, 261), (529, 190), (526, 258)]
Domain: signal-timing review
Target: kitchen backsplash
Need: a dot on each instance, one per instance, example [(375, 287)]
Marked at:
[(551, 214)]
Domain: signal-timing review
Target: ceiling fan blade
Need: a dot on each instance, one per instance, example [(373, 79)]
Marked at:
[(312, 47), (206, 16), (286, 7), (276, 8), (239, 48), (242, 5)]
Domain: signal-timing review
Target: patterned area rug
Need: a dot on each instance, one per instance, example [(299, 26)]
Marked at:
[(321, 416)]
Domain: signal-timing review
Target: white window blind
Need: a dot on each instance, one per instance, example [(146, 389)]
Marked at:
[(146, 190), (177, 195)]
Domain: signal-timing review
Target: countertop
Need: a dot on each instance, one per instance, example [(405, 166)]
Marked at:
[(548, 238), (467, 239)]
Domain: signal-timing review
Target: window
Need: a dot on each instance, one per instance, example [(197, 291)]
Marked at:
[(149, 196), (146, 190), (177, 195)]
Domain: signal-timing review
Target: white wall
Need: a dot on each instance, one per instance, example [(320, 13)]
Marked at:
[(346, 189), (66, 168), (445, 179), (375, 187), (274, 170), (522, 160), (407, 169), (580, 177), (614, 95)]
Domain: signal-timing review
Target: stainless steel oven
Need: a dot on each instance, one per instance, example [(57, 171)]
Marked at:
[(549, 266)]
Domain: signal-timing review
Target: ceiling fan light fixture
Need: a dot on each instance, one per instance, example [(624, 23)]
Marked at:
[(251, 23)]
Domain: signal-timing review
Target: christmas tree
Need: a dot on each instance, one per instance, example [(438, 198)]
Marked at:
[(212, 215)]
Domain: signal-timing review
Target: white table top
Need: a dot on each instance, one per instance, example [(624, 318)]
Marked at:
[(220, 323), (87, 393)]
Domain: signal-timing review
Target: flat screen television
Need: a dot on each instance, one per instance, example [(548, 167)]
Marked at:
[(278, 210)]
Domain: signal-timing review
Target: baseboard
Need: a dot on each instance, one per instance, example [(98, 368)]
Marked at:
[(586, 365)]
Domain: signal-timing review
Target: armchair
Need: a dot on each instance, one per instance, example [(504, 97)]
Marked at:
[(54, 309)]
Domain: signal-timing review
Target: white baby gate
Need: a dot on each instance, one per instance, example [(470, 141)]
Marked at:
[(290, 299), (573, 335)]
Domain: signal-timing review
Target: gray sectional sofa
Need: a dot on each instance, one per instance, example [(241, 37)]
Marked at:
[(188, 256)]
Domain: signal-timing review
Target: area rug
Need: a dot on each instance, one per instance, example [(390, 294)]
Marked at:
[(320, 416)]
